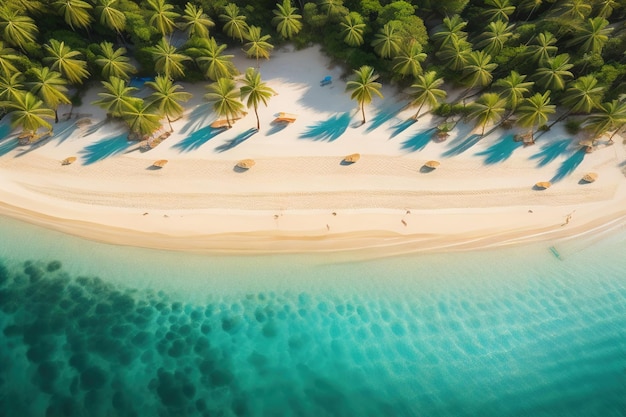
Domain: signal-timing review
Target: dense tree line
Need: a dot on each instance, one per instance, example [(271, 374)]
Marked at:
[(516, 59)]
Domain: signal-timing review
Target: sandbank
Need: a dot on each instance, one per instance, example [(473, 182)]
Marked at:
[(299, 197)]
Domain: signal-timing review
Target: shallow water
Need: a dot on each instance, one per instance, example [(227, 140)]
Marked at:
[(100, 330)]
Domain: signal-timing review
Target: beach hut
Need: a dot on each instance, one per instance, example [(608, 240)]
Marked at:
[(352, 158), (286, 117), (246, 164), (590, 177), (160, 163), (542, 185), (68, 160)]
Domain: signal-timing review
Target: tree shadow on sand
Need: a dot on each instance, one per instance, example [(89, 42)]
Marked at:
[(550, 151), (197, 139), (384, 115), (401, 127), (105, 148), (569, 165), (63, 134), (197, 117), (328, 130), (460, 145), (418, 141), (6, 144), (276, 127), (501, 150), (240, 138)]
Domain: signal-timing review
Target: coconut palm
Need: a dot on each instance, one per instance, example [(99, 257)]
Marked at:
[(49, 86), (167, 98), (333, 8), (167, 60), (489, 108), (110, 16), (256, 92), (215, 63), (142, 118), (257, 45), (450, 30), (494, 37), (552, 76), (604, 8), (11, 86), (498, 10), (477, 71), (514, 88), (387, 41), (61, 58), (225, 98), (584, 95), (364, 87), (454, 54), (534, 112), (16, 28), (287, 20), (235, 24), (611, 117), (7, 57), (76, 13), (196, 22), (113, 62), (407, 62), (117, 97), (543, 48), (426, 90), (29, 113), (574, 9), (163, 16), (593, 35), (353, 28)]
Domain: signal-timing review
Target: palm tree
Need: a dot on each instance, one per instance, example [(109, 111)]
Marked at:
[(450, 30), (499, 10), (76, 13), (574, 9), (494, 37), (543, 49), (235, 24), (143, 119), (584, 95), (534, 111), (110, 16), (11, 86), (593, 35), (61, 58), (117, 98), (258, 45), (217, 65), (488, 108), (353, 28), (162, 16), (16, 28), (167, 60), (604, 8), (256, 91), (113, 62), (612, 117), (29, 113), (334, 8), (7, 57), (287, 20), (387, 41), (225, 98), (455, 54), (426, 90), (167, 98), (196, 22), (49, 86), (552, 76), (364, 87), (478, 69), (514, 88), (407, 62)]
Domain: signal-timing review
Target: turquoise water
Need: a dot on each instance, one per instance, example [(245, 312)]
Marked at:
[(97, 330)]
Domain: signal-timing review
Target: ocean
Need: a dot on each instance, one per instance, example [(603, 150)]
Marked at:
[(90, 329)]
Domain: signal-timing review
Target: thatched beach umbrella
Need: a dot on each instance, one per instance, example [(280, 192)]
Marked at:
[(590, 177), (245, 163), (432, 164), (350, 159), (543, 185), (160, 163), (68, 161)]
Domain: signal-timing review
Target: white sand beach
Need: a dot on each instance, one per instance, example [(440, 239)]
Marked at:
[(299, 197)]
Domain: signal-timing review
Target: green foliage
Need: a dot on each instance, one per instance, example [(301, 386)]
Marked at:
[(573, 126)]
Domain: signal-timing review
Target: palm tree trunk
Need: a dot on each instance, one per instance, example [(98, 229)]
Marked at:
[(483, 131), (170, 123), (258, 122), (363, 111), (419, 110), (56, 116), (228, 121)]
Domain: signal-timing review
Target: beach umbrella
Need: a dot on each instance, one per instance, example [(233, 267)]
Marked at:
[(590, 177), (160, 163), (68, 161), (543, 185), (350, 159), (432, 164), (245, 163)]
